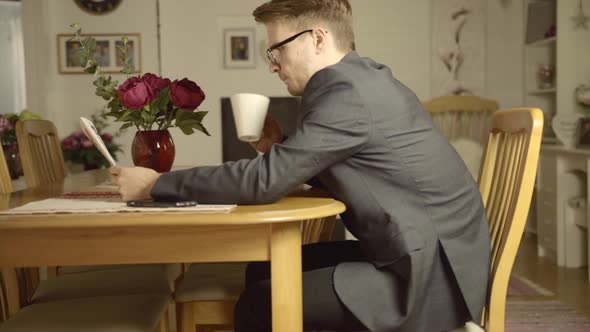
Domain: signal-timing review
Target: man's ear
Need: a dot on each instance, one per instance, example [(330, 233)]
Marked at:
[(320, 38)]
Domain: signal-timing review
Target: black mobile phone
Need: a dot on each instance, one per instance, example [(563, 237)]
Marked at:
[(157, 204)]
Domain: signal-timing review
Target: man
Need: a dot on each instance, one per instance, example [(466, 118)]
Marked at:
[(422, 259)]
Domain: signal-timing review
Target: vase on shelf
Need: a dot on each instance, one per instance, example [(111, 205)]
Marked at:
[(153, 149), (545, 76), (12, 155)]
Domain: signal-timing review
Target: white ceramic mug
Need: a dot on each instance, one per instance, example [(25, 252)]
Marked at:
[(249, 110)]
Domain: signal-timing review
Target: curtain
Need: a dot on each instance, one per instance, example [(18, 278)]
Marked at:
[(18, 65)]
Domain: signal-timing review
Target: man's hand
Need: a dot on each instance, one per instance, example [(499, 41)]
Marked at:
[(134, 183), (271, 134)]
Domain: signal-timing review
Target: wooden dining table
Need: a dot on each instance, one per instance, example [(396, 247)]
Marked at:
[(248, 233)]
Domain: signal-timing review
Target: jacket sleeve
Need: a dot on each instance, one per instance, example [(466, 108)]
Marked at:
[(333, 127)]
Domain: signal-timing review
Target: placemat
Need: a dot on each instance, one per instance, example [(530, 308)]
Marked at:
[(102, 202)]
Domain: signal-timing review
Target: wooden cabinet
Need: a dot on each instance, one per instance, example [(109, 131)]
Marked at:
[(562, 176)]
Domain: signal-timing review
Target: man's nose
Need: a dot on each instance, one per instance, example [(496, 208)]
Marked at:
[(273, 68)]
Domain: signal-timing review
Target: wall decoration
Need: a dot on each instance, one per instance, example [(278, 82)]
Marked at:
[(581, 20), (458, 41), (107, 54), (98, 7), (239, 45)]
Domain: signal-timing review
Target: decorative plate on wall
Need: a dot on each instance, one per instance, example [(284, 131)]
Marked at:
[(98, 7)]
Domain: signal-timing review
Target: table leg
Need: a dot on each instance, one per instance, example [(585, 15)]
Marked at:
[(286, 282)]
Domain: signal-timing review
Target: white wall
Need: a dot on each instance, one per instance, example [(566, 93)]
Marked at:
[(505, 52), (64, 98), (8, 11), (394, 32), (397, 33), (192, 46)]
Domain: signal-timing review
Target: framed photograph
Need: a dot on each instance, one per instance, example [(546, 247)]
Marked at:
[(107, 54), (238, 48)]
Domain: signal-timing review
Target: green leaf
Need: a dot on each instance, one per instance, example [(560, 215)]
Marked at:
[(147, 117), (91, 69), (202, 129), (199, 115), (125, 126), (181, 115), (89, 43), (128, 114), (187, 130)]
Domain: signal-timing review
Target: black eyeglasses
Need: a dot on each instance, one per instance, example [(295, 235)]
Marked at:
[(271, 56)]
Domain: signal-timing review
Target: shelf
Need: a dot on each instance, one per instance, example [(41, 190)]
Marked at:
[(542, 91), (542, 42)]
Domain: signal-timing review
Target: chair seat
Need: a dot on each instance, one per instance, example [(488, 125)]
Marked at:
[(130, 313), (469, 327), (211, 282), (141, 279)]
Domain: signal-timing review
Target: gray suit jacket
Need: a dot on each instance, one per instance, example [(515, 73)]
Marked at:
[(366, 139)]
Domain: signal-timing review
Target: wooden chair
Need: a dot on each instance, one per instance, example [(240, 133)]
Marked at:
[(462, 116), (506, 182), (5, 181), (136, 312), (207, 293), (40, 151), (43, 162)]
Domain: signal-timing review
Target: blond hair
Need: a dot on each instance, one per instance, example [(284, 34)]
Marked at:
[(306, 14)]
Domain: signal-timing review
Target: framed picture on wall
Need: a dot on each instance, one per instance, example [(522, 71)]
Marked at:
[(238, 50), (107, 52)]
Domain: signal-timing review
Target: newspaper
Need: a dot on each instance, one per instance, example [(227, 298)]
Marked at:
[(104, 205), (90, 131)]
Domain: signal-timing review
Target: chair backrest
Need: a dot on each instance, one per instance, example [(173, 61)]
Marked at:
[(506, 181), (5, 180), (462, 116), (40, 152)]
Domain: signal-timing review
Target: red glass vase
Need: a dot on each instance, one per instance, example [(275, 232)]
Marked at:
[(153, 149)]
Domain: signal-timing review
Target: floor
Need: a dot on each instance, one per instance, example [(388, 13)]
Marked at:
[(570, 286)]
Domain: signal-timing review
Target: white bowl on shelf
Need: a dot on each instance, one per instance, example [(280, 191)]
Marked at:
[(583, 94), (567, 128)]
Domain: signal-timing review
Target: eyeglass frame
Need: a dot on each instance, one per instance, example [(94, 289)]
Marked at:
[(271, 56)]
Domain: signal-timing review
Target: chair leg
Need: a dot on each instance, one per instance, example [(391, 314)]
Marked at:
[(185, 319), (163, 324)]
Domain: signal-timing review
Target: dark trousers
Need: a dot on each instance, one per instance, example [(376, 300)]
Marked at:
[(322, 309)]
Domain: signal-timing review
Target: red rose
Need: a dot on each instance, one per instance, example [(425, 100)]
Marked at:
[(155, 82), (70, 143), (135, 93), (106, 137), (85, 143), (186, 94), (5, 124)]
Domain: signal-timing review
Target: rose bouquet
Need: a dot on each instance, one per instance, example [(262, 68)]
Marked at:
[(148, 102)]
